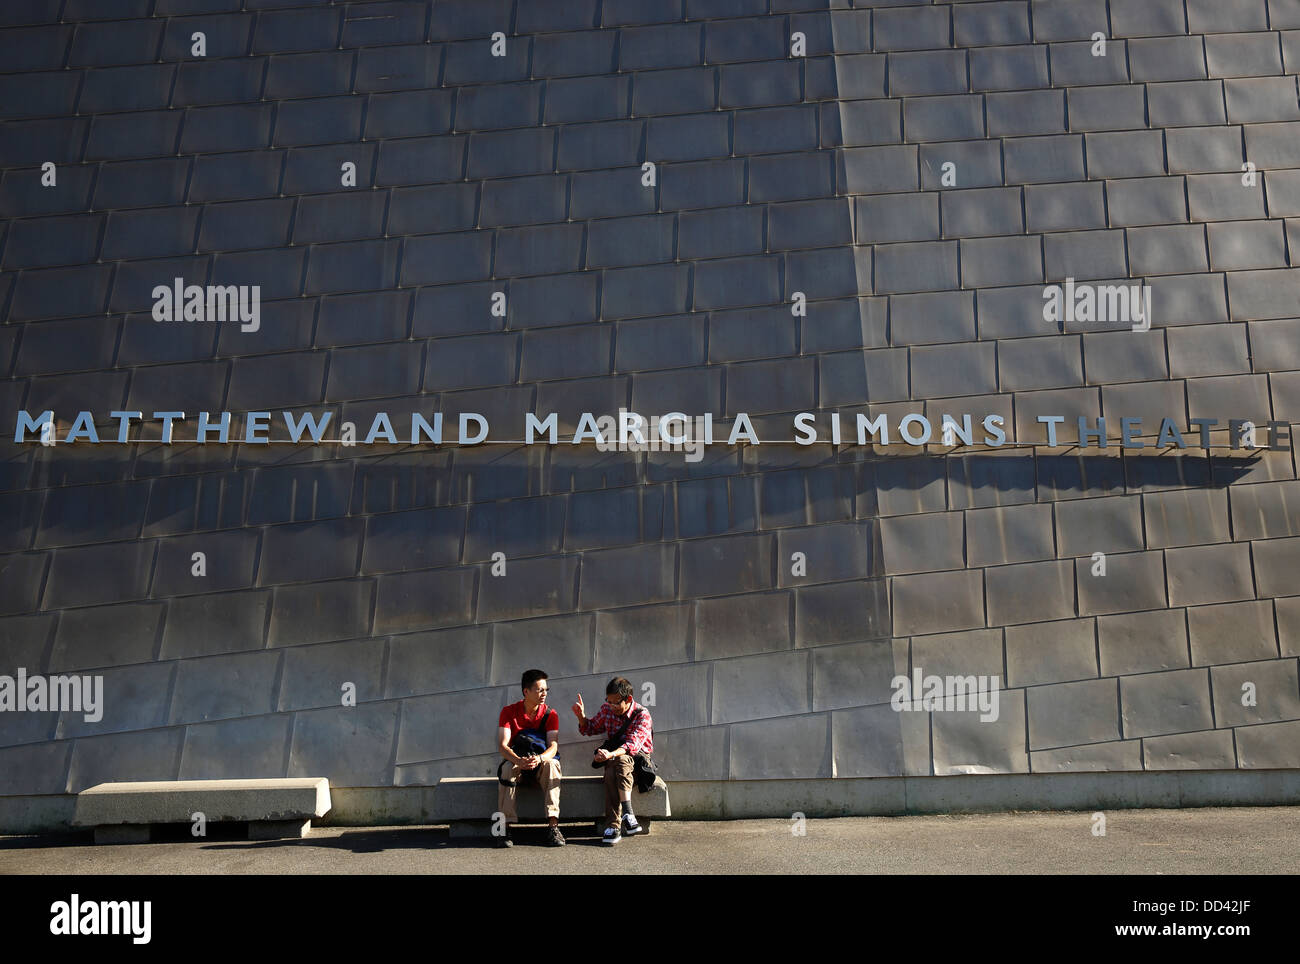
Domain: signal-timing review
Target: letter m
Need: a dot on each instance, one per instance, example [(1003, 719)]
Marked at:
[(223, 302), (65, 692), (119, 912), (960, 690), (877, 426), (533, 426), (25, 422), (1116, 302)]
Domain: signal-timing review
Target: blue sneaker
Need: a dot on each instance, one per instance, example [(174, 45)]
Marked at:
[(612, 836)]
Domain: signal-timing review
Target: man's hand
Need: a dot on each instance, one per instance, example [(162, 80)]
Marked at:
[(578, 709), (529, 762), (602, 755)]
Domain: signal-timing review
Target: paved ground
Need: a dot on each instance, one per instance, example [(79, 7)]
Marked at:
[(1255, 840)]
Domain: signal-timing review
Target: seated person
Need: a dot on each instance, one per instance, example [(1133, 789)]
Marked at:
[(533, 715), (630, 722)]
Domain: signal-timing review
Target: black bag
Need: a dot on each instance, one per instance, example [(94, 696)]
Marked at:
[(528, 743), (644, 772), (644, 769)]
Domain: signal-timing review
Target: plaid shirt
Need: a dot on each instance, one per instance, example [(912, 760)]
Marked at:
[(635, 740)]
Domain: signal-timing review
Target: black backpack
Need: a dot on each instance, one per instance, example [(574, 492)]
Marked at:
[(531, 742)]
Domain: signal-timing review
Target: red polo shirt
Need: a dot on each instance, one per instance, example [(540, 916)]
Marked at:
[(513, 716)]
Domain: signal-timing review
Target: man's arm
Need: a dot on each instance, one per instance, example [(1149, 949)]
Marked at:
[(638, 734), (597, 724), (503, 745), (552, 738)]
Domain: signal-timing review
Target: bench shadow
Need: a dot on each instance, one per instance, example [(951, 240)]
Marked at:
[(40, 841), (430, 837), (233, 836)]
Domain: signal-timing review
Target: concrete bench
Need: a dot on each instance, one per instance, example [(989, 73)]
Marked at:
[(467, 803), (273, 809)]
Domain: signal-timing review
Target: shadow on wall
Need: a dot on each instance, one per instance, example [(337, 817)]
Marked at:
[(916, 483)]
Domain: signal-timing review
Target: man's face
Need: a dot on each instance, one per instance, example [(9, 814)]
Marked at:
[(537, 692), (617, 703)]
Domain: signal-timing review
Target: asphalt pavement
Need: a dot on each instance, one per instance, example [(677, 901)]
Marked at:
[(1219, 840)]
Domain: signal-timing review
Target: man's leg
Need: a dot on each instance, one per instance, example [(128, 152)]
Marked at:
[(611, 793), (625, 768), (618, 787), (506, 795), (548, 778)]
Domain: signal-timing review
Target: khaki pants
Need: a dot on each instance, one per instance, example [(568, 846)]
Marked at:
[(618, 779), (548, 778)]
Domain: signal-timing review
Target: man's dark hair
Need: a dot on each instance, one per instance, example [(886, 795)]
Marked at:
[(530, 677), (620, 686)]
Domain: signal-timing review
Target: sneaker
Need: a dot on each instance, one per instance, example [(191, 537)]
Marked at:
[(506, 840), (554, 838), (612, 836), (630, 827)]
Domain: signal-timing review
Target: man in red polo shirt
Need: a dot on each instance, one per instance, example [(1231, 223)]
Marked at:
[(530, 714)]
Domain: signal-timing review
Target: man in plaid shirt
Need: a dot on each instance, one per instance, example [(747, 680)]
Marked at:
[(619, 709)]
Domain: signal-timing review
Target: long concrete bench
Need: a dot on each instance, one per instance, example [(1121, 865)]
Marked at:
[(468, 803), (273, 809)]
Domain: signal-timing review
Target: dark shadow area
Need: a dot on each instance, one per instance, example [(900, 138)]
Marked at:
[(39, 841), (434, 837)]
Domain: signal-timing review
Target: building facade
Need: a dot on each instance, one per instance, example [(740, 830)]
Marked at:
[(1030, 213)]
